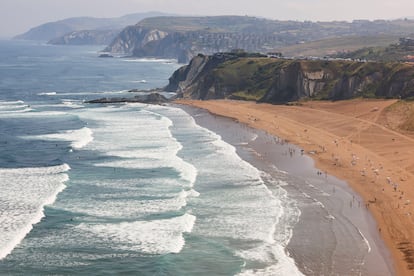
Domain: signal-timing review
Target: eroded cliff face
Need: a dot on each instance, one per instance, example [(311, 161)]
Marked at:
[(134, 37), (143, 42), (279, 81), (197, 80)]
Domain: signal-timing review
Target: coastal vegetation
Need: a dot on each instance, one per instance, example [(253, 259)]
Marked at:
[(184, 37), (278, 80), (338, 45)]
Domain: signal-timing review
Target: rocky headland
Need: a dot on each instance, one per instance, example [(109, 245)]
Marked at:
[(277, 80), (182, 38)]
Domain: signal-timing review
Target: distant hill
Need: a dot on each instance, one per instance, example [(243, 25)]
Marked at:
[(184, 37), (53, 30)]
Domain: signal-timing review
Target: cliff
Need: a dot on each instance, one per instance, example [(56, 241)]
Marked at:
[(229, 75), (185, 37)]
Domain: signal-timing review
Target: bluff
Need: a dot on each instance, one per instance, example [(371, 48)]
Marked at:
[(275, 80), (184, 37)]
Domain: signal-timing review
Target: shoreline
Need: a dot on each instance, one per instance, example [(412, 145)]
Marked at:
[(326, 212), (346, 147)]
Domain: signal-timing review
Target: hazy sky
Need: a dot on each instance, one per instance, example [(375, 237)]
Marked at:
[(17, 16)]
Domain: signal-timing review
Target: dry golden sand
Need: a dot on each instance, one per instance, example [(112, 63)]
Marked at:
[(353, 141)]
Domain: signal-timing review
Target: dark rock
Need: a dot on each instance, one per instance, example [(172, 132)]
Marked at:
[(153, 98), (105, 56)]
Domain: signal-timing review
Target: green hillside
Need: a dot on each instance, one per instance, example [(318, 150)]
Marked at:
[(275, 80)]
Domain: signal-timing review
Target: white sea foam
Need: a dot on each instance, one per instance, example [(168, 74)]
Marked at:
[(330, 217), (234, 197), (72, 104), (27, 112), (24, 193), (7, 107), (139, 81), (137, 142), (152, 237), (47, 93), (365, 240), (239, 204), (79, 137), (151, 144), (16, 110), (11, 102), (121, 204), (282, 263)]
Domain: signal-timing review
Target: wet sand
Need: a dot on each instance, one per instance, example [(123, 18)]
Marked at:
[(336, 233), (348, 140)]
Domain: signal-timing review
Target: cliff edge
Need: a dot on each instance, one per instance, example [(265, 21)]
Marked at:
[(275, 80)]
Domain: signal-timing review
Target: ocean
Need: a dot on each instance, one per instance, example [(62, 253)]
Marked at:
[(136, 189)]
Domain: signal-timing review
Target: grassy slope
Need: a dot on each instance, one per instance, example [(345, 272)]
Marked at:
[(251, 78), (212, 24), (334, 45)]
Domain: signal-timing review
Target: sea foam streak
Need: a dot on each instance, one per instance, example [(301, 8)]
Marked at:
[(13, 107), (24, 193), (132, 146), (235, 198), (79, 137), (47, 94), (144, 144), (153, 237)]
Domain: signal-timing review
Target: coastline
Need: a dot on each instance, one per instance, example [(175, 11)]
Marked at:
[(347, 144)]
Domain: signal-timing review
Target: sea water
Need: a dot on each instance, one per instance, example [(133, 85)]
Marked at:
[(127, 188), (91, 189)]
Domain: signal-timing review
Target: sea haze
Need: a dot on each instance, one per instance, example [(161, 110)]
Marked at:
[(145, 190)]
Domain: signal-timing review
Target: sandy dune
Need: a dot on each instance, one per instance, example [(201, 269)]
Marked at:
[(356, 141)]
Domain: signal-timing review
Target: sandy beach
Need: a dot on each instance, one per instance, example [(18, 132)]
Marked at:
[(354, 141)]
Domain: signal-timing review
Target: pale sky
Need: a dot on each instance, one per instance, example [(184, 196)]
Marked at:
[(17, 16)]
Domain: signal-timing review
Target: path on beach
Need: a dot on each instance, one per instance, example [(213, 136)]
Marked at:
[(354, 141)]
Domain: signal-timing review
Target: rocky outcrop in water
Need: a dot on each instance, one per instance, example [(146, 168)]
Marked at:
[(152, 98), (273, 80)]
